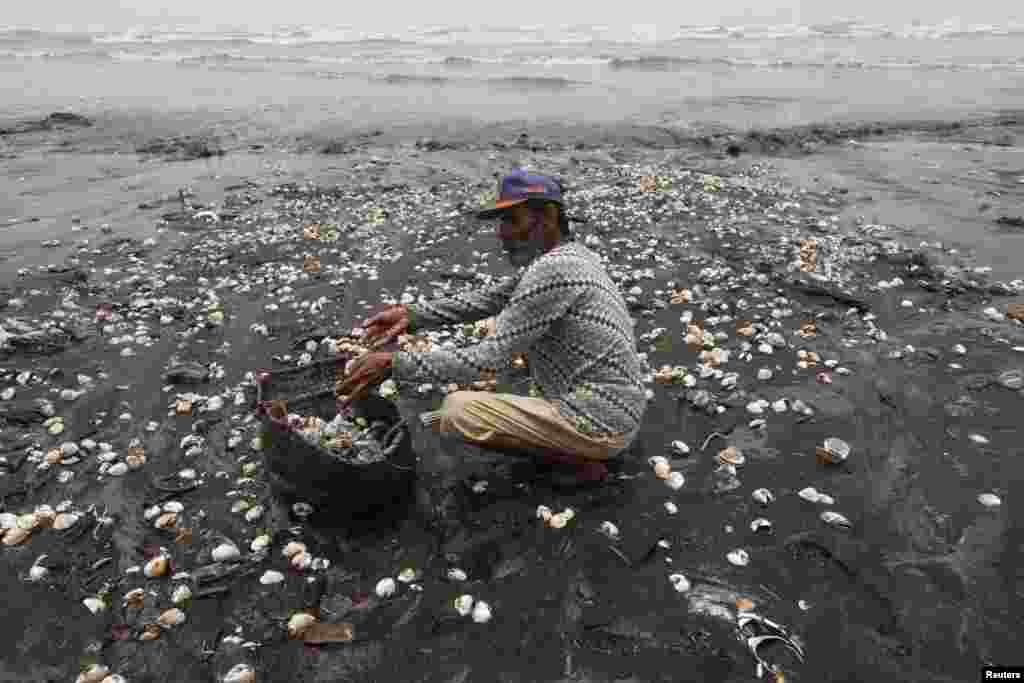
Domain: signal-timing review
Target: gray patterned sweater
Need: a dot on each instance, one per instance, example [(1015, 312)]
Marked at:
[(567, 316)]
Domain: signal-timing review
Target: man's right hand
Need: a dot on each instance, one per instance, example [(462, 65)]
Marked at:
[(386, 326)]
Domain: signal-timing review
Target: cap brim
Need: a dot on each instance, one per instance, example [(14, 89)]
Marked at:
[(499, 208)]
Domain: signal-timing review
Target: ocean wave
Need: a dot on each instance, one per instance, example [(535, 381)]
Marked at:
[(402, 79), (538, 82)]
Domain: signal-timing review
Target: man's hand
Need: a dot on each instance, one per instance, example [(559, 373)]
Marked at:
[(385, 327), (367, 371)]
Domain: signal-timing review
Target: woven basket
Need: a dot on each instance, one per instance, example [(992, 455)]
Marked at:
[(341, 489)]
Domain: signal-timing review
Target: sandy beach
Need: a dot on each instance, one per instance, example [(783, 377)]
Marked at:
[(856, 280)]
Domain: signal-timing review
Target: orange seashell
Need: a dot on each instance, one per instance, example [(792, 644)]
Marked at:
[(744, 604), (731, 456), (16, 536), (311, 264)]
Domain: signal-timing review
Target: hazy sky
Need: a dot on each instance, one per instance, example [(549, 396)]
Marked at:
[(256, 14)]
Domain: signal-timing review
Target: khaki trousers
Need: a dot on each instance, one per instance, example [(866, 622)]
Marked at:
[(508, 421)]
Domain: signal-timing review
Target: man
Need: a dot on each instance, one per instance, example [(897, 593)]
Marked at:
[(562, 311)]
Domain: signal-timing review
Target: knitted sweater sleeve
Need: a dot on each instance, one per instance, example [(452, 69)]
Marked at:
[(465, 308), (546, 291)]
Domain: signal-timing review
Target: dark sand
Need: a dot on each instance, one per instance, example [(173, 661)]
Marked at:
[(923, 587)]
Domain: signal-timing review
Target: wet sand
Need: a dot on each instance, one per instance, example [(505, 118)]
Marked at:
[(922, 587)]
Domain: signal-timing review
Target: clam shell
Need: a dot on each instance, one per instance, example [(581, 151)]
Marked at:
[(738, 557), (679, 582), (385, 588), (8, 520), (671, 508), (94, 605), (663, 470), (240, 673), (464, 605), (301, 561), (158, 566), (135, 597), (680, 447), (172, 617), (760, 525), (731, 456), (181, 594), (114, 678), (456, 574), (989, 500), (166, 520), (810, 494), (225, 552), (65, 520), (94, 674), (609, 530), (762, 496), (260, 543), (299, 624), (481, 612), (150, 632), (293, 549), (833, 451), (28, 522), (544, 512), (835, 519), (270, 577), (675, 481), (16, 536), (408, 575)]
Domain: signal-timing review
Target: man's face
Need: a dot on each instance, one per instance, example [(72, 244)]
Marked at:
[(521, 231)]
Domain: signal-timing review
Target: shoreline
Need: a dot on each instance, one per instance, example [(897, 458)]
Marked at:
[(885, 598)]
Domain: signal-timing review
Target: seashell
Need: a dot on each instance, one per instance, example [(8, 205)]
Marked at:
[(16, 536), (386, 588), (240, 673), (675, 481), (680, 447), (544, 513), (114, 678), (8, 520), (270, 577), (731, 456), (301, 561), (150, 632), (38, 572), (671, 507), (254, 513), (65, 520), (94, 605), (156, 567), (744, 604), (299, 624), (183, 406), (166, 520), (260, 543), (173, 506), (835, 519), (134, 598), (833, 452), (28, 522), (481, 612), (464, 605), (181, 594), (738, 557), (408, 575), (810, 494), (172, 617), (825, 499), (225, 552), (989, 500), (663, 470), (559, 521), (760, 524), (456, 574), (762, 496), (654, 460), (978, 438), (118, 469), (94, 674), (609, 530), (293, 549), (679, 582), (764, 374)]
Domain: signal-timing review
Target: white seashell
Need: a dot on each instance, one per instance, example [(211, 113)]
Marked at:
[(114, 678), (978, 438), (558, 521), (671, 507), (94, 605), (457, 575), (302, 560), (172, 617), (680, 447), (94, 674), (260, 543), (764, 374), (158, 566), (835, 519), (408, 575), (464, 605), (386, 588), (118, 469), (152, 513), (609, 530), (679, 582), (181, 594), (654, 460), (240, 673), (481, 612), (738, 557), (810, 494), (675, 481), (166, 520), (37, 572), (544, 513), (299, 624), (174, 506), (270, 577), (28, 522), (254, 513), (760, 524), (65, 520), (762, 496), (8, 520), (989, 500), (225, 552)]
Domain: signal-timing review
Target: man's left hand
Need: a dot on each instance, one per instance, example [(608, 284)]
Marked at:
[(369, 370)]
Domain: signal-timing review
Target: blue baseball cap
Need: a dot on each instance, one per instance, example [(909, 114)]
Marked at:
[(522, 186)]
